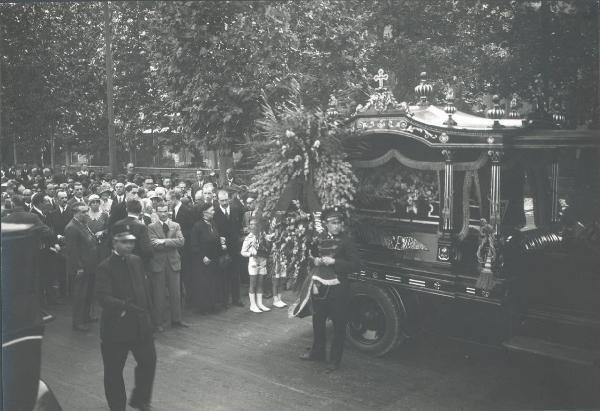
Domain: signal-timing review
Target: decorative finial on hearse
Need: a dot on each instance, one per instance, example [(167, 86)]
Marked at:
[(423, 90), (496, 112), (449, 108)]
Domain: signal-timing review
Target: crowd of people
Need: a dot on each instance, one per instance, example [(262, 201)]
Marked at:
[(145, 248), (197, 239)]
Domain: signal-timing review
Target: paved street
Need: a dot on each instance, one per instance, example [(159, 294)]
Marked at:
[(236, 360)]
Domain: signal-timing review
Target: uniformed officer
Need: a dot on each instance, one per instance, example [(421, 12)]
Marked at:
[(333, 258), (127, 323)]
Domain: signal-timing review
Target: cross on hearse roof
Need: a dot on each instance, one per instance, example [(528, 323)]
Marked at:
[(380, 77), (443, 125)]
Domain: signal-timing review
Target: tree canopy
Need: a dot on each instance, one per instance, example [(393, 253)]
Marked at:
[(201, 67)]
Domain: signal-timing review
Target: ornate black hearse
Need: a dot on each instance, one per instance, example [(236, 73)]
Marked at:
[(463, 208)]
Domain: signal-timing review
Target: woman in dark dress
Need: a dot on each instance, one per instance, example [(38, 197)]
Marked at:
[(206, 250)]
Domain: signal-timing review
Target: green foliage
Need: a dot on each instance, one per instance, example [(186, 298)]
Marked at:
[(200, 67)]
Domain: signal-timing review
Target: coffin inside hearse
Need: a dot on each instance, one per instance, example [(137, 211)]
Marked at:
[(458, 210)]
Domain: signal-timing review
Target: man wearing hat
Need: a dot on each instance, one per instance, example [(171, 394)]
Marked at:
[(333, 257), (127, 322)]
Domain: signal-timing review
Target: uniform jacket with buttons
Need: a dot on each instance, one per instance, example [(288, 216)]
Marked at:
[(120, 285)]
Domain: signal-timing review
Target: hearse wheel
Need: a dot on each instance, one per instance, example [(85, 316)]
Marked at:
[(375, 322)]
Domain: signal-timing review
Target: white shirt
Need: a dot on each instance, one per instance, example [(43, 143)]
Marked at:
[(225, 210), (176, 209)]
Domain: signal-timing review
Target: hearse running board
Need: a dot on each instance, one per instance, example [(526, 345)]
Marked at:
[(553, 350)]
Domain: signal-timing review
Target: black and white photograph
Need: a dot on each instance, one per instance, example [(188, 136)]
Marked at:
[(319, 205)]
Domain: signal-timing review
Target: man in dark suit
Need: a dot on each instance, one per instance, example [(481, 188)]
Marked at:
[(127, 322), (230, 180), (58, 220), (82, 261), (143, 247), (206, 196), (206, 252), (62, 176), (48, 255), (77, 195), (118, 209), (199, 183), (228, 222), (19, 215), (61, 215), (50, 193), (37, 206), (334, 258), (185, 217)]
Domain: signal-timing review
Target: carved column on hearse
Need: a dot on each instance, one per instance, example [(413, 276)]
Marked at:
[(495, 215), (446, 250), (488, 251), (554, 173)]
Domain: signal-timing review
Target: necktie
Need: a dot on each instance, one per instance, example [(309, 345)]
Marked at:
[(174, 215), (166, 229)]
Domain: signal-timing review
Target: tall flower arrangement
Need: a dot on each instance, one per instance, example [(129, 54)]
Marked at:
[(302, 170)]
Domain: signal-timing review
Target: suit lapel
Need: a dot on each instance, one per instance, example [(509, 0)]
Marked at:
[(158, 228)]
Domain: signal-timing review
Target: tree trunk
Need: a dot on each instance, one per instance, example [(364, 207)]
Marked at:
[(52, 147), (112, 144), (14, 141), (1, 129), (131, 151)]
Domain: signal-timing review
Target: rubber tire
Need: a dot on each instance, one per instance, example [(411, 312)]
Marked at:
[(409, 304), (394, 319)]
